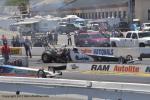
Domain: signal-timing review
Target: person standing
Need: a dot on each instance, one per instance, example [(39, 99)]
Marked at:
[(55, 38), (4, 39), (50, 38), (13, 42), (69, 39), (27, 46), (17, 41), (5, 52), (21, 41)]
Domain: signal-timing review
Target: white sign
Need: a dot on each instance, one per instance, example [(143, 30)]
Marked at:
[(117, 68)]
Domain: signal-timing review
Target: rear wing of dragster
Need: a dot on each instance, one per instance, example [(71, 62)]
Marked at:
[(57, 67)]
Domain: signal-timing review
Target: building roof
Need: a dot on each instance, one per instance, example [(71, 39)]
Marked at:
[(46, 5), (94, 4)]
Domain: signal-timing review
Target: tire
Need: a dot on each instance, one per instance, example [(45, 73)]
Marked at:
[(41, 73), (141, 45), (129, 58), (113, 44), (106, 45), (140, 58), (45, 58), (121, 60)]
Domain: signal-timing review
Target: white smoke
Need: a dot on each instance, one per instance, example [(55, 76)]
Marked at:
[(46, 4), (44, 7)]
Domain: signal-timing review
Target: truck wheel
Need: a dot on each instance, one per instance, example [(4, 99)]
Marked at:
[(45, 58), (113, 44), (141, 45), (129, 58)]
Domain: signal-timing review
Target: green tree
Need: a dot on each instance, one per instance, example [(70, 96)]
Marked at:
[(23, 6)]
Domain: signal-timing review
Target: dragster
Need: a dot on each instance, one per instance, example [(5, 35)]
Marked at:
[(73, 55), (19, 71), (9, 70)]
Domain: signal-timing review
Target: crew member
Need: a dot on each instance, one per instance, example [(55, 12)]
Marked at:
[(27, 45), (69, 38), (5, 52), (4, 39)]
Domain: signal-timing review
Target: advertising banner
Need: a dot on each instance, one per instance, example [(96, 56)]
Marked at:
[(116, 68), (109, 51), (16, 51)]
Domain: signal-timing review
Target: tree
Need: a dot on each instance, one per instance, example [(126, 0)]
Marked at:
[(23, 6)]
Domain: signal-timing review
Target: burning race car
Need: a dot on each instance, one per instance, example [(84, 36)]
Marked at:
[(64, 55)]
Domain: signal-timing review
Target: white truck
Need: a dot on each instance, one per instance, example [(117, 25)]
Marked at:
[(145, 26), (132, 39)]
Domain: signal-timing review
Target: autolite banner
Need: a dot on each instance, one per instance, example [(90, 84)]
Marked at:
[(117, 68)]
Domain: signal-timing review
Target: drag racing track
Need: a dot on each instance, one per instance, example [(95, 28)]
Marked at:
[(35, 62), (72, 93), (106, 77)]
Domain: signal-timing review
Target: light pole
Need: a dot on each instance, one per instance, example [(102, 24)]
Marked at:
[(131, 5)]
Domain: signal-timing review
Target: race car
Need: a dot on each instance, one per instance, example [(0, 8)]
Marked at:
[(9, 70), (65, 55)]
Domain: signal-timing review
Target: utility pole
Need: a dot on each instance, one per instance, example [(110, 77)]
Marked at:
[(131, 10)]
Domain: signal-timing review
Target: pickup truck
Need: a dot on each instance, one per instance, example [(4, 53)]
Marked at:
[(70, 27), (132, 39)]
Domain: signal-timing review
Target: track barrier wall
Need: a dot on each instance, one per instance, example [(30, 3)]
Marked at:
[(134, 52), (76, 83), (124, 52), (92, 90)]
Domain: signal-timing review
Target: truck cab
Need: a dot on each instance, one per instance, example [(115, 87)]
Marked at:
[(133, 39)]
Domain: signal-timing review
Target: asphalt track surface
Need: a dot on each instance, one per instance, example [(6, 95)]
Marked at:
[(110, 77), (35, 62)]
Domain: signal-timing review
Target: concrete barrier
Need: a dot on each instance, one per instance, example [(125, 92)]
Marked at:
[(36, 51), (76, 89), (41, 81), (134, 52), (134, 87)]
